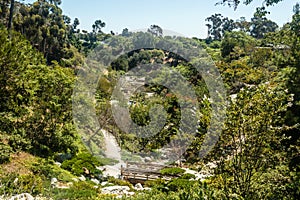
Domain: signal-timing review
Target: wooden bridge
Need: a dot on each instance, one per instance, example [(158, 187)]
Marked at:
[(142, 172)]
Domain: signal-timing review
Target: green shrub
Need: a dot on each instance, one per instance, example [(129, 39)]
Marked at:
[(175, 171), (80, 190), (18, 141), (155, 183), (49, 170), (16, 184), (120, 182), (155, 195), (194, 190), (80, 161), (188, 176), (5, 151), (178, 183), (107, 161), (61, 157)]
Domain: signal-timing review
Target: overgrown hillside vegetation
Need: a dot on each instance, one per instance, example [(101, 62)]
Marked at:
[(41, 152)]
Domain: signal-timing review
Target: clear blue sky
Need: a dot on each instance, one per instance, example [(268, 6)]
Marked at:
[(183, 16)]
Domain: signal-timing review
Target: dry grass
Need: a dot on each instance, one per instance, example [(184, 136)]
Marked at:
[(19, 164)]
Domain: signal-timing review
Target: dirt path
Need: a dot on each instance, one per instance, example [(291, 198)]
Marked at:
[(112, 150)]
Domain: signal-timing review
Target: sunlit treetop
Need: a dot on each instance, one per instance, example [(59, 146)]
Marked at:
[(235, 3)]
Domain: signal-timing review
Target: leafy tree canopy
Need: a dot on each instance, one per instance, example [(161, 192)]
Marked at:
[(235, 3)]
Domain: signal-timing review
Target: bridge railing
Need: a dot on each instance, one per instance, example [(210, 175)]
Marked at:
[(141, 172)]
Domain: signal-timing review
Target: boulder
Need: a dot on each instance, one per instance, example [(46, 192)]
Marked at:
[(54, 181), (147, 159), (63, 186), (39, 197), (24, 196), (57, 164), (16, 181), (129, 193), (82, 178), (211, 165), (164, 157), (96, 181), (115, 190), (119, 191), (75, 179), (138, 186), (104, 183)]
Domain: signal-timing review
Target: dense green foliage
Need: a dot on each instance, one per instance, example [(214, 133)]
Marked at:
[(256, 157), (172, 171), (35, 100), (235, 3), (257, 27), (78, 163)]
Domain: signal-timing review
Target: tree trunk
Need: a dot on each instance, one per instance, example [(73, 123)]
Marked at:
[(11, 14)]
